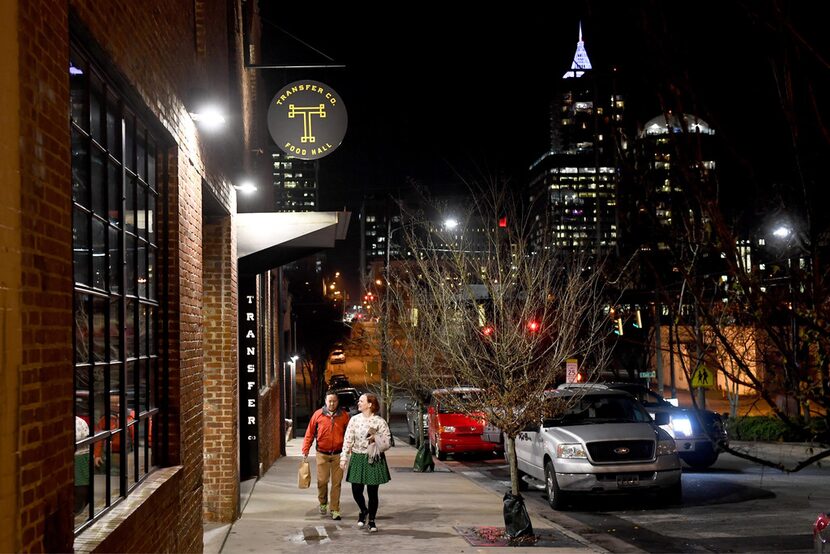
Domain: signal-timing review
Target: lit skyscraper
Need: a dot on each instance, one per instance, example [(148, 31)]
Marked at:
[(573, 185)]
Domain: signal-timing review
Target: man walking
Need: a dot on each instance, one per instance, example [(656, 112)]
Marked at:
[(327, 426)]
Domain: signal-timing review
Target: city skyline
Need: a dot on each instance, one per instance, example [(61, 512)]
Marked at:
[(490, 81)]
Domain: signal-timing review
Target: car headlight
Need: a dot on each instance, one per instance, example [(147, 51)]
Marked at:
[(570, 450), (682, 426), (447, 429), (666, 447)]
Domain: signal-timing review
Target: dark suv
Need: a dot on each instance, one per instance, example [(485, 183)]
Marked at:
[(699, 434)]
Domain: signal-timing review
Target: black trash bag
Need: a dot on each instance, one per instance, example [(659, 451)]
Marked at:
[(423, 460), (516, 521)]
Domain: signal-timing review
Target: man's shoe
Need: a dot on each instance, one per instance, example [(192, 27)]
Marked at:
[(324, 508), (372, 527), (335, 515)]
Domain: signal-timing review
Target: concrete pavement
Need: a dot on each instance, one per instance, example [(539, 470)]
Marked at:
[(419, 512)]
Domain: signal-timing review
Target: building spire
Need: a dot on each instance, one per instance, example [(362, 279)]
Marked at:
[(581, 61)]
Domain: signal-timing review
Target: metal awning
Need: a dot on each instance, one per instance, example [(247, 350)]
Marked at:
[(268, 240)]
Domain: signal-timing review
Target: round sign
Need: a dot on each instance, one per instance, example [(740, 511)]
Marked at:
[(307, 120)]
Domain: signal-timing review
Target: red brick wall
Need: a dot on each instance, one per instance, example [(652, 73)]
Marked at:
[(221, 400), (46, 434), (151, 45)]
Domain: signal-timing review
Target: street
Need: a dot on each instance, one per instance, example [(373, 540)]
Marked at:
[(735, 506)]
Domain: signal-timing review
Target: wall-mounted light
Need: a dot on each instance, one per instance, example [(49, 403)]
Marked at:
[(246, 187), (206, 110)]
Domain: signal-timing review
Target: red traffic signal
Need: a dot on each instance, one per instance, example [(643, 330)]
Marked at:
[(487, 331), (533, 326)]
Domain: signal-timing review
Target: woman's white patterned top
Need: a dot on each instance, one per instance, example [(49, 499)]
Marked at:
[(356, 439)]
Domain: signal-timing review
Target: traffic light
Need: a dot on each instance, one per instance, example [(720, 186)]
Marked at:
[(487, 331), (533, 326), (618, 329)]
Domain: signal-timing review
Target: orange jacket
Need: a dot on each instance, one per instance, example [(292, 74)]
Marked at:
[(116, 439), (328, 428)]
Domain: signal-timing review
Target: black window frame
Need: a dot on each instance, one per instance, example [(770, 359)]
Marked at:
[(118, 301)]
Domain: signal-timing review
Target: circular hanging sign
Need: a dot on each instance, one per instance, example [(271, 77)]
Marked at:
[(307, 120)]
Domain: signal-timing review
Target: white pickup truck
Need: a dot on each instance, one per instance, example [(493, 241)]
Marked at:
[(599, 441)]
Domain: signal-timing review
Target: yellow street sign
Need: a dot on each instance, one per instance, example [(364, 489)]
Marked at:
[(703, 377)]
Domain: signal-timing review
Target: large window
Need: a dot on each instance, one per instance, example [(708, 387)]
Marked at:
[(117, 171)]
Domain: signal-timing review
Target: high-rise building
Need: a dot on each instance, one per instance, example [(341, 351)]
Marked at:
[(295, 183), (573, 185)]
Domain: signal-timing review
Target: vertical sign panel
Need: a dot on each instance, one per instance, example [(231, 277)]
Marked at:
[(248, 386)]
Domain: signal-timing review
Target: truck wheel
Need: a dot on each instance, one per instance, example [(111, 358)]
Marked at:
[(699, 460), (672, 495), (556, 498)]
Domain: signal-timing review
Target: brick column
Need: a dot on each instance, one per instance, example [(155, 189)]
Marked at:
[(221, 407)]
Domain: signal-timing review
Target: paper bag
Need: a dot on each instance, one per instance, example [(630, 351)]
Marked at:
[(304, 476)]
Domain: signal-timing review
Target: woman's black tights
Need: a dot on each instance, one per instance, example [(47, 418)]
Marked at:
[(357, 493)]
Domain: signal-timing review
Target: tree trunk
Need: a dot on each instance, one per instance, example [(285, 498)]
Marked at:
[(514, 468)]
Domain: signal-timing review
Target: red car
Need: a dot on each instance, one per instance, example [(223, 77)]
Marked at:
[(451, 432)]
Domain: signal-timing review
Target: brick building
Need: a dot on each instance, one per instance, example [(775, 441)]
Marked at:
[(123, 356)]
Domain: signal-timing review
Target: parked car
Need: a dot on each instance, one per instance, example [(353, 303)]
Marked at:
[(337, 356), (347, 397), (412, 421), (699, 434), (452, 432), (338, 381), (599, 441)]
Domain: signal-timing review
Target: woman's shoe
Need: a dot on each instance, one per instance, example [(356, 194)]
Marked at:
[(361, 520), (372, 527)]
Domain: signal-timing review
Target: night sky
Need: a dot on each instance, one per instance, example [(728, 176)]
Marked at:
[(433, 94)]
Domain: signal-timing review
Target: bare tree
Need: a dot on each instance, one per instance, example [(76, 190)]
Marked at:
[(478, 306)]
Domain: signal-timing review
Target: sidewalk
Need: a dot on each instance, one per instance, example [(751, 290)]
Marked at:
[(418, 513)]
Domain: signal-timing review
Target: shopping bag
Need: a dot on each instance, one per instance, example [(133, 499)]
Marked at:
[(423, 460), (304, 476)]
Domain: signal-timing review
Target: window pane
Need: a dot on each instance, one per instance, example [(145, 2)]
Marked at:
[(129, 142), (129, 210), (141, 153), (141, 208), (151, 164), (113, 128), (77, 90), (151, 217), (151, 273), (142, 330), (98, 190), (96, 106), (114, 260), (130, 265), (99, 254), (129, 329), (80, 168), (151, 329), (82, 330), (80, 245), (115, 194), (100, 307), (82, 472), (141, 274), (115, 329), (144, 445), (100, 453)]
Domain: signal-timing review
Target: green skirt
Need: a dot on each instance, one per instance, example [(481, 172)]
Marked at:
[(361, 471)]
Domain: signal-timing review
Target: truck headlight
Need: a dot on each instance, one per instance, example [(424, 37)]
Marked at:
[(666, 447), (682, 426), (570, 450), (447, 429)]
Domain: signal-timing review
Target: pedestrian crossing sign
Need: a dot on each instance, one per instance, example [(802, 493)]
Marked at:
[(703, 377)]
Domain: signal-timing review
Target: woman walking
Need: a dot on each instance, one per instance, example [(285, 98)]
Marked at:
[(365, 429)]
